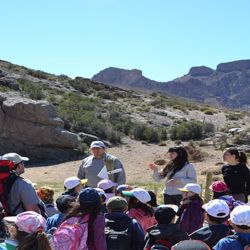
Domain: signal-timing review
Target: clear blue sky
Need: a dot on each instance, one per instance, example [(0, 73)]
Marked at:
[(163, 38)]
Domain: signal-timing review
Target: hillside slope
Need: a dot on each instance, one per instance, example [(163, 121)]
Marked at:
[(228, 85)]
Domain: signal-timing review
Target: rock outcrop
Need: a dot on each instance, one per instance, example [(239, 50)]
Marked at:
[(32, 128), (200, 71)]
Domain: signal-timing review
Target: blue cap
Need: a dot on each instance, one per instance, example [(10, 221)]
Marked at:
[(89, 195)]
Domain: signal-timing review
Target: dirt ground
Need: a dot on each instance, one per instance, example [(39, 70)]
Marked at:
[(135, 157)]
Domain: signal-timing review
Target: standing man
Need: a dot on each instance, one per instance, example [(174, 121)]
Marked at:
[(99, 162), (22, 195)]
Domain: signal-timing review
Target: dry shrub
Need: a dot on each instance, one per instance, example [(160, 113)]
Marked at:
[(195, 155)]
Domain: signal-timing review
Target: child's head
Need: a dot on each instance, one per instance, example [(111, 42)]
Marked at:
[(190, 245), (117, 204), (102, 195), (123, 187), (138, 198), (165, 214), (107, 185), (64, 203), (28, 229), (153, 201), (217, 211), (219, 189), (74, 184), (190, 190), (46, 194), (240, 219)]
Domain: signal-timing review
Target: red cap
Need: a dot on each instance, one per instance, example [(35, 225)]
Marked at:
[(219, 187)]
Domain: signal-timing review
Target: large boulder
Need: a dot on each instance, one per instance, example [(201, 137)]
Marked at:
[(33, 128)]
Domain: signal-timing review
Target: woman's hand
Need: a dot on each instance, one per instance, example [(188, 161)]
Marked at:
[(153, 166)]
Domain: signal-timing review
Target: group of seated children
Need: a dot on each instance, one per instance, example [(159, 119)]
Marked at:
[(112, 217)]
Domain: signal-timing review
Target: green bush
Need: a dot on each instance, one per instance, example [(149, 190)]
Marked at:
[(192, 130), (142, 132), (35, 91)]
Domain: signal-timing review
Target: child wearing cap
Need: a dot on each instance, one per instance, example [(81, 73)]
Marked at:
[(191, 214), (73, 185), (240, 221), (85, 210), (216, 213), (109, 187), (26, 232), (166, 232), (220, 191), (138, 207), (122, 232)]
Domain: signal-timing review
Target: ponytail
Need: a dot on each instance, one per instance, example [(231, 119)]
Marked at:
[(242, 158)]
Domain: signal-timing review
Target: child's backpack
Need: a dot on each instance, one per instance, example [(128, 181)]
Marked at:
[(119, 234), (155, 241), (72, 234), (7, 179)]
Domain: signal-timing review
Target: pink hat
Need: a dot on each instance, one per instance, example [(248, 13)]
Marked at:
[(219, 187), (106, 184), (29, 222)]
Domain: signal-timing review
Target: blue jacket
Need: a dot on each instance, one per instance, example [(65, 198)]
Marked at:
[(54, 221), (228, 243)]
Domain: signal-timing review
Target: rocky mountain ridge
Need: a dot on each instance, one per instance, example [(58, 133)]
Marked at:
[(228, 85)]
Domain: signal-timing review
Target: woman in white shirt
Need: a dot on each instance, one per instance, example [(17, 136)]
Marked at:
[(177, 173)]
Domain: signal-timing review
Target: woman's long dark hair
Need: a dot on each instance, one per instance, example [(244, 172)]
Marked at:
[(135, 203), (177, 164), (239, 155), (35, 241), (81, 209)]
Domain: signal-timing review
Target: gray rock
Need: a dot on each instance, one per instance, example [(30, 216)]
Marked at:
[(34, 129), (232, 66), (200, 71)]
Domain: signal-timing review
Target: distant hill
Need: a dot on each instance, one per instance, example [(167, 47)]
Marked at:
[(228, 85)]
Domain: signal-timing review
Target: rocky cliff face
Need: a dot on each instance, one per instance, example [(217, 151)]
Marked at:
[(228, 85), (32, 128), (126, 78)]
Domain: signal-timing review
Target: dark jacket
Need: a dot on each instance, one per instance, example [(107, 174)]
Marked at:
[(211, 234), (237, 178), (191, 214), (169, 232), (136, 232)]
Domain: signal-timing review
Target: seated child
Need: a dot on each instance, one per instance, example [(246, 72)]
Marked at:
[(165, 232), (26, 232), (138, 207), (122, 232), (74, 185), (46, 194), (109, 187), (216, 213), (191, 213), (64, 203), (240, 221)]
